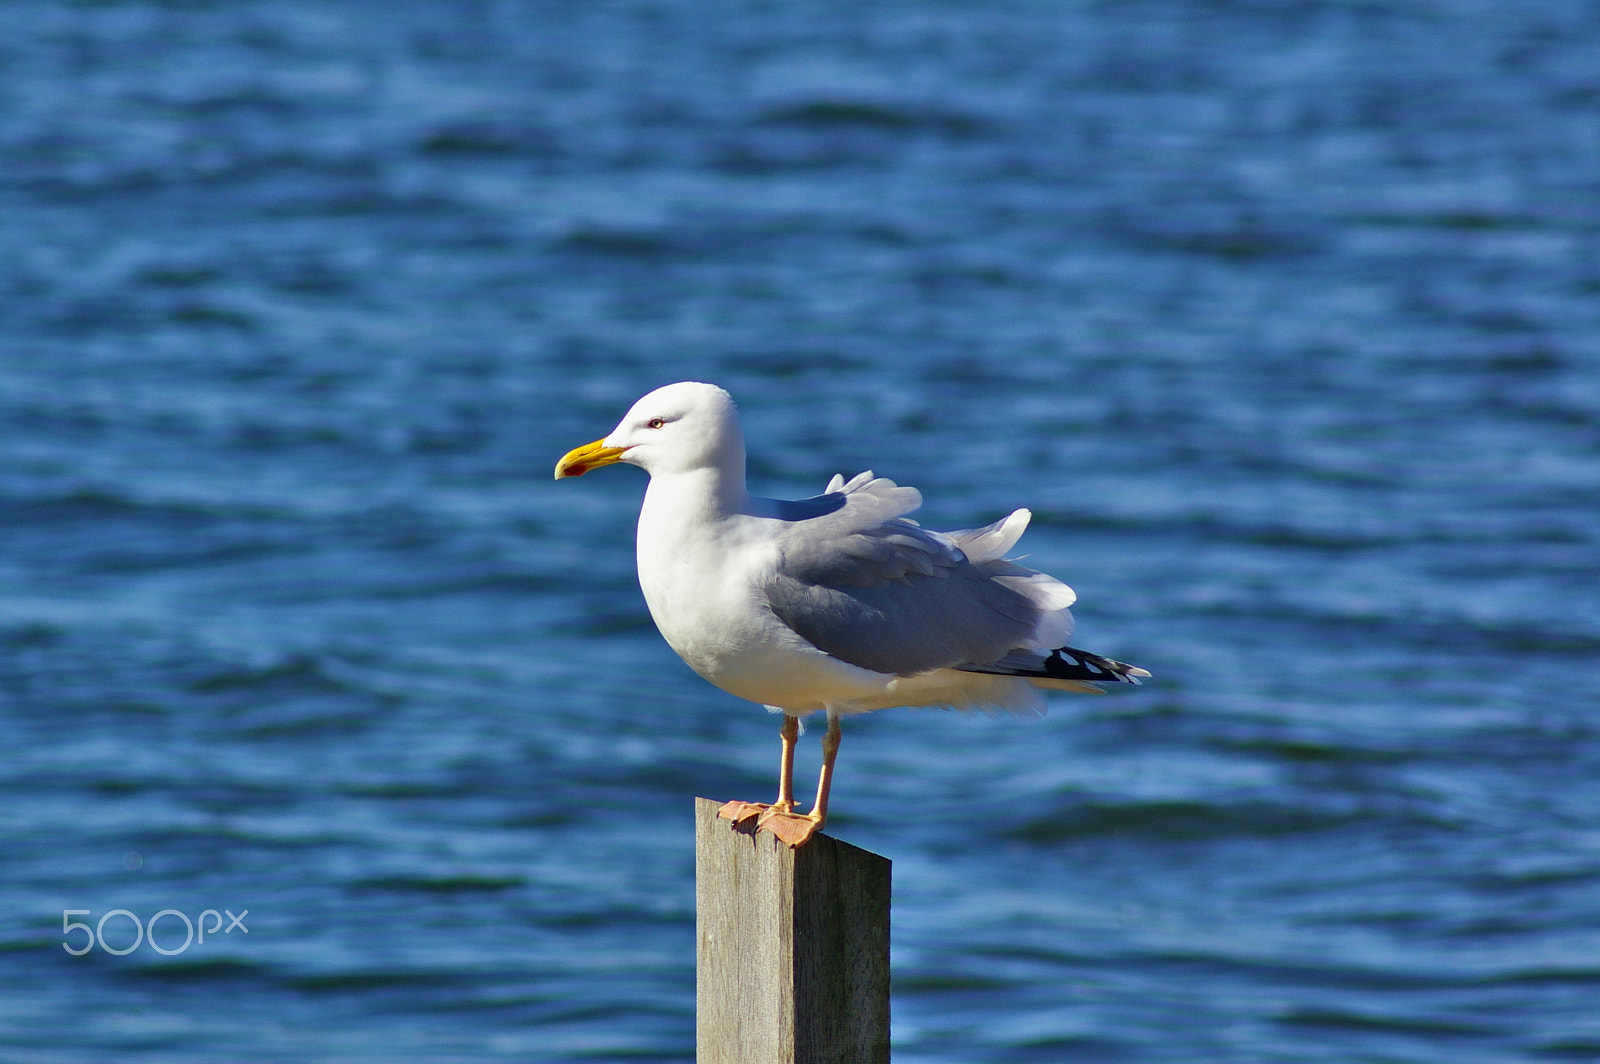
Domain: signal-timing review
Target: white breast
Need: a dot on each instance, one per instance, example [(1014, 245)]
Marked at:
[(708, 601)]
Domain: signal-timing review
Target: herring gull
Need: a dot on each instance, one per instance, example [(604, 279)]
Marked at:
[(838, 603)]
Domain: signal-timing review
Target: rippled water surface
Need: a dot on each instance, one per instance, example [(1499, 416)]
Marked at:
[(1284, 319)]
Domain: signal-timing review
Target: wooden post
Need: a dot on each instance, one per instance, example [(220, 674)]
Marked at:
[(792, 962)]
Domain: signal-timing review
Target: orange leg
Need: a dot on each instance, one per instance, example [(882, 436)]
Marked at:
[(794, 828), (788, 734), (780, 817), (742, 813)]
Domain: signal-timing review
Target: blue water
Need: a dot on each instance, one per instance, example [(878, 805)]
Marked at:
[(1284, 318)]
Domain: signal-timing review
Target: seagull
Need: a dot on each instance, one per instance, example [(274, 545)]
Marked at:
[(837, 603)]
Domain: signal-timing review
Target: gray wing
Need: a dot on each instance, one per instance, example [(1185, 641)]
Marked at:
[(861, 582)]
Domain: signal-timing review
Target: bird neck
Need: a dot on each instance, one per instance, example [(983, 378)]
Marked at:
[(708, 493)]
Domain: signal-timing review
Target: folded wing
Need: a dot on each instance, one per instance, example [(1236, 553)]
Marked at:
[(861, 582)]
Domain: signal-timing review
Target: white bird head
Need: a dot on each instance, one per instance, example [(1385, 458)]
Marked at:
[(678, 428)]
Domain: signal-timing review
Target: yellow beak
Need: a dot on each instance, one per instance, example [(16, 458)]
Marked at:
[(579, 460)]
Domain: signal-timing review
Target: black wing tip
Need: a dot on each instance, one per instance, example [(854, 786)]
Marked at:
[(1070, 663)]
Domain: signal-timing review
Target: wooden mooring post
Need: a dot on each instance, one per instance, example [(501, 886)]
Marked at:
[(792, 955)]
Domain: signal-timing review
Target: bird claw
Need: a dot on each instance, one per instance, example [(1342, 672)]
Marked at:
[(789, 827), (795, 829), (742, 814)]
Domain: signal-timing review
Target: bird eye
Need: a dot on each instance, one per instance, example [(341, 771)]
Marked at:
[(657, 422)]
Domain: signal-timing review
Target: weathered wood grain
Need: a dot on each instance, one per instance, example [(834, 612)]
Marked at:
[(792, 948)]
